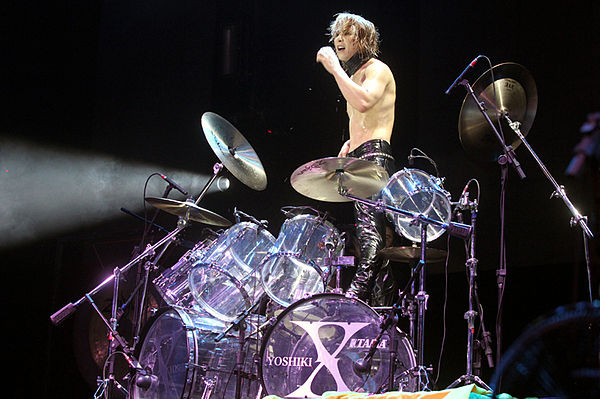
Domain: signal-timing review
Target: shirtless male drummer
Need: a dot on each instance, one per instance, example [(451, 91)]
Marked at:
[(369, 88)]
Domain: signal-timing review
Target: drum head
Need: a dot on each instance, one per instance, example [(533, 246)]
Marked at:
[(315, 343), (419, 193), (296, 266)]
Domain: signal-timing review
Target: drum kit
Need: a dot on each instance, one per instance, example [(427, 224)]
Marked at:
[(215, 340)]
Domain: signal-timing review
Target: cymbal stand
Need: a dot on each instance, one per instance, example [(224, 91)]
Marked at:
[(217, 168), (470, 315), (559, 191), (509, 153)]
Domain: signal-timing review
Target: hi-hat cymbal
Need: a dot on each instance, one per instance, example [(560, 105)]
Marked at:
[(179, 208), (513, 93), (320, 179), (406, 254), (232, 149)]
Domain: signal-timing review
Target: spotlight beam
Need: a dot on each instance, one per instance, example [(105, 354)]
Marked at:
[(48, 190)]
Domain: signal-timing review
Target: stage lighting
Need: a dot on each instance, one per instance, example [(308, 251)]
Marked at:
[(49, 190)]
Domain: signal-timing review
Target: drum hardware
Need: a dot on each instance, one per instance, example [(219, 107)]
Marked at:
[(391, 319), (469, 377), (338, 262), (507, 92), (239, 214), (115, 339)]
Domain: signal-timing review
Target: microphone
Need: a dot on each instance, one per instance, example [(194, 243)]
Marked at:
[(362, 366), (471, 65), (146, 380), (463, 201), (260, 223), (173, 184)]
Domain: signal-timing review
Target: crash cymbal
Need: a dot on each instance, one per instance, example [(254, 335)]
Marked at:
[(179, 208), (232, 149), (513, 92), (320, 179), (406, 254)]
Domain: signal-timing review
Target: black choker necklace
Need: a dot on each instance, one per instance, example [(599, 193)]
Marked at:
[(354, 63)]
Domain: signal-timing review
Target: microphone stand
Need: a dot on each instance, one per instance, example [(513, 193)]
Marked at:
[(239, 324), (114, 338), (471, 264), (510, 158)]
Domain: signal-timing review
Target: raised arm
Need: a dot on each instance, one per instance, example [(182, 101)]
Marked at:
[(361, 96)]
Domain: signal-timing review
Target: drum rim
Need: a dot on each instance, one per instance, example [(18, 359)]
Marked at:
[(308, 216)]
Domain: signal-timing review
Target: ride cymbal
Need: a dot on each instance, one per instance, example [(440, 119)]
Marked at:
[(179, 208), (506, 89), (232, 149), (321, 179)]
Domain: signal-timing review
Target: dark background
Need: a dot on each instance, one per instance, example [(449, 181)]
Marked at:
[(132, 79)]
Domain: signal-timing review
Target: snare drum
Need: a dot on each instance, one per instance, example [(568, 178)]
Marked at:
[(315, 342), (182, 360), (226, 281), (296, 266), (417, 192)]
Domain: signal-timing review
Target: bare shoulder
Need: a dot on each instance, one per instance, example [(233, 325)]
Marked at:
[(380, 69)]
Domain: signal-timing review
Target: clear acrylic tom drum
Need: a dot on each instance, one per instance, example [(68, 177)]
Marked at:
[(296, 266), (173, 283), (417, 192), (226, 282)]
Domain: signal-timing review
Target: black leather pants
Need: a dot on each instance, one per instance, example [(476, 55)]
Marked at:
[(370, 225)]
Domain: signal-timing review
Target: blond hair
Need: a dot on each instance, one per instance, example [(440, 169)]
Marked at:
[(365, 33)]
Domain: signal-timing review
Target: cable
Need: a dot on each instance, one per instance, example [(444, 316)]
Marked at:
[(443, 343), (412, 157)]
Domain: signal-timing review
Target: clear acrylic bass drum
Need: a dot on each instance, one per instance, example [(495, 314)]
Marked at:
[(296, 267), (417, 192), (182, 360), (315, 342), (226, 282)]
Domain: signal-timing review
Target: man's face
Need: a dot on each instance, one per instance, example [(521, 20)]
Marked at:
[(345, 44)]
